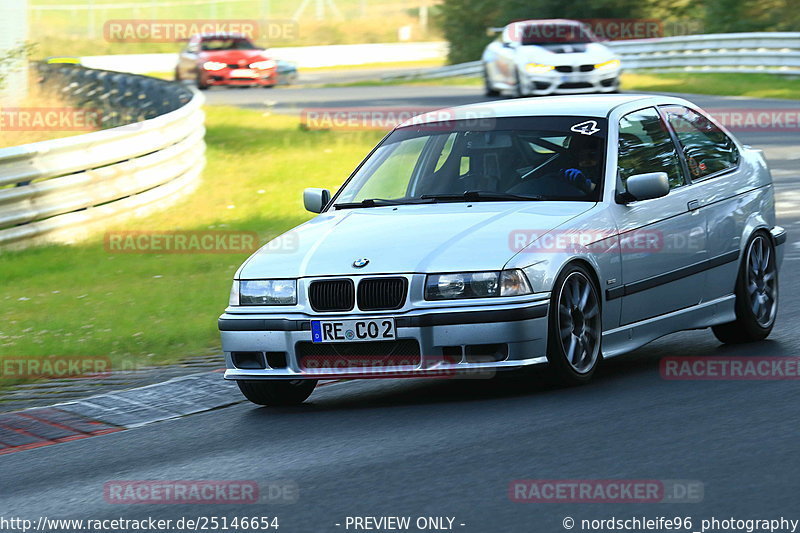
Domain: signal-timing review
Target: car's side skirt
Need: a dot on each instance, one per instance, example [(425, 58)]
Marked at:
[(631, 336)]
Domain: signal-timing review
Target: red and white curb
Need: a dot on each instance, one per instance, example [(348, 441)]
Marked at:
[(117, 411)]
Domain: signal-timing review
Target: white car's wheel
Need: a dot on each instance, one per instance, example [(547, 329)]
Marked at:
[(489, 89), (518, 92)]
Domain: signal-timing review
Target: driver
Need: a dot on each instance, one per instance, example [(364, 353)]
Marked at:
[(583, 173)]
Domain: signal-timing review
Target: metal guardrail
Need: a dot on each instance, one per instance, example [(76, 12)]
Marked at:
[(774, 53), (64, 189)]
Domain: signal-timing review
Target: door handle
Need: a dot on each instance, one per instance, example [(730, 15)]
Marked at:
[(694, 205)]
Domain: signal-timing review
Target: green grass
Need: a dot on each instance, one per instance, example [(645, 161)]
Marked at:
[(748, 85), (143, 308), (79, 32)]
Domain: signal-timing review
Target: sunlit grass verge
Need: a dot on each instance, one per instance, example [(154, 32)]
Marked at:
[(468, 81), (747, 85), (138, 309)]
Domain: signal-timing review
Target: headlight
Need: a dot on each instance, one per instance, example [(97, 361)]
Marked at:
[(214, 65), (538, 68), (606, 65), (263, 65), (264, 292), (476, 285)]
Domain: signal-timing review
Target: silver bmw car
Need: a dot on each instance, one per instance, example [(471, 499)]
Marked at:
[(560, 232)]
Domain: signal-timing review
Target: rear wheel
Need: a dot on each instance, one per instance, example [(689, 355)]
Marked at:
[(756, 294), (574, 327), (487, 84), (277, 391)]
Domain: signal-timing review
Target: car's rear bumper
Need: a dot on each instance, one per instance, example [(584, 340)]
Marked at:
[(452, 343)]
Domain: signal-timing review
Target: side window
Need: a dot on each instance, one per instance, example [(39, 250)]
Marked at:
[(707, 149), (646, 146)]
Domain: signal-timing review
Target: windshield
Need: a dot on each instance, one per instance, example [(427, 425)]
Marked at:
[(228, 44), (544, 34), (530, 158)]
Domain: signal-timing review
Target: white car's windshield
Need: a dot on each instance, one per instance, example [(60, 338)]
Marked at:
[(545, 34), (525, 158)]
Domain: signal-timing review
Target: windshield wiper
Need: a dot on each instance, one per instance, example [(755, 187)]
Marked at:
[(380, 202), (476, 196)]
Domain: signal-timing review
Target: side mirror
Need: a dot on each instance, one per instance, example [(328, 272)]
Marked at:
[(646, 186), (315, 199)]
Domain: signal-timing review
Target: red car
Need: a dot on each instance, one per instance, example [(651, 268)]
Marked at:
[(225, 59)]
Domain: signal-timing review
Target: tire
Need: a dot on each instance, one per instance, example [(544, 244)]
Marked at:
[(574, 323), (200, 85), (277, 392), (756, 294), (518, 87), (488, 90)]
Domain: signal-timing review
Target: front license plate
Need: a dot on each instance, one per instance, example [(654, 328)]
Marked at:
[(379, 329), (243, 73)]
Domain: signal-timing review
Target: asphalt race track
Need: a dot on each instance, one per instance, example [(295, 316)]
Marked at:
[(451, 447)]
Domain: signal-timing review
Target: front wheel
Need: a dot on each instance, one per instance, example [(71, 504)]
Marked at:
[(277, 392), (756, 294), (201, 85), (487, 84), (518, 92), (574, 327)]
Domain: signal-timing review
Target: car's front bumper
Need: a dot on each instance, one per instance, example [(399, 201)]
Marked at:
[(553, 82), (520, 330), (227, 77)]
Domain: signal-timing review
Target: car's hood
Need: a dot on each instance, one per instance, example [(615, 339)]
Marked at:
[(565, 54), (412, 238), (234, 57)]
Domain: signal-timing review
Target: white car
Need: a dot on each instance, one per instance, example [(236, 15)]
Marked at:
[(559, 231), (543, 57)]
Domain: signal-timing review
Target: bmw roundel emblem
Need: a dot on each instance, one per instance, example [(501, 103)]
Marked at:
[(360, 263)]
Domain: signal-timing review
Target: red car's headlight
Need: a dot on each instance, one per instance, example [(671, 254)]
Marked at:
[(263, 65)]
